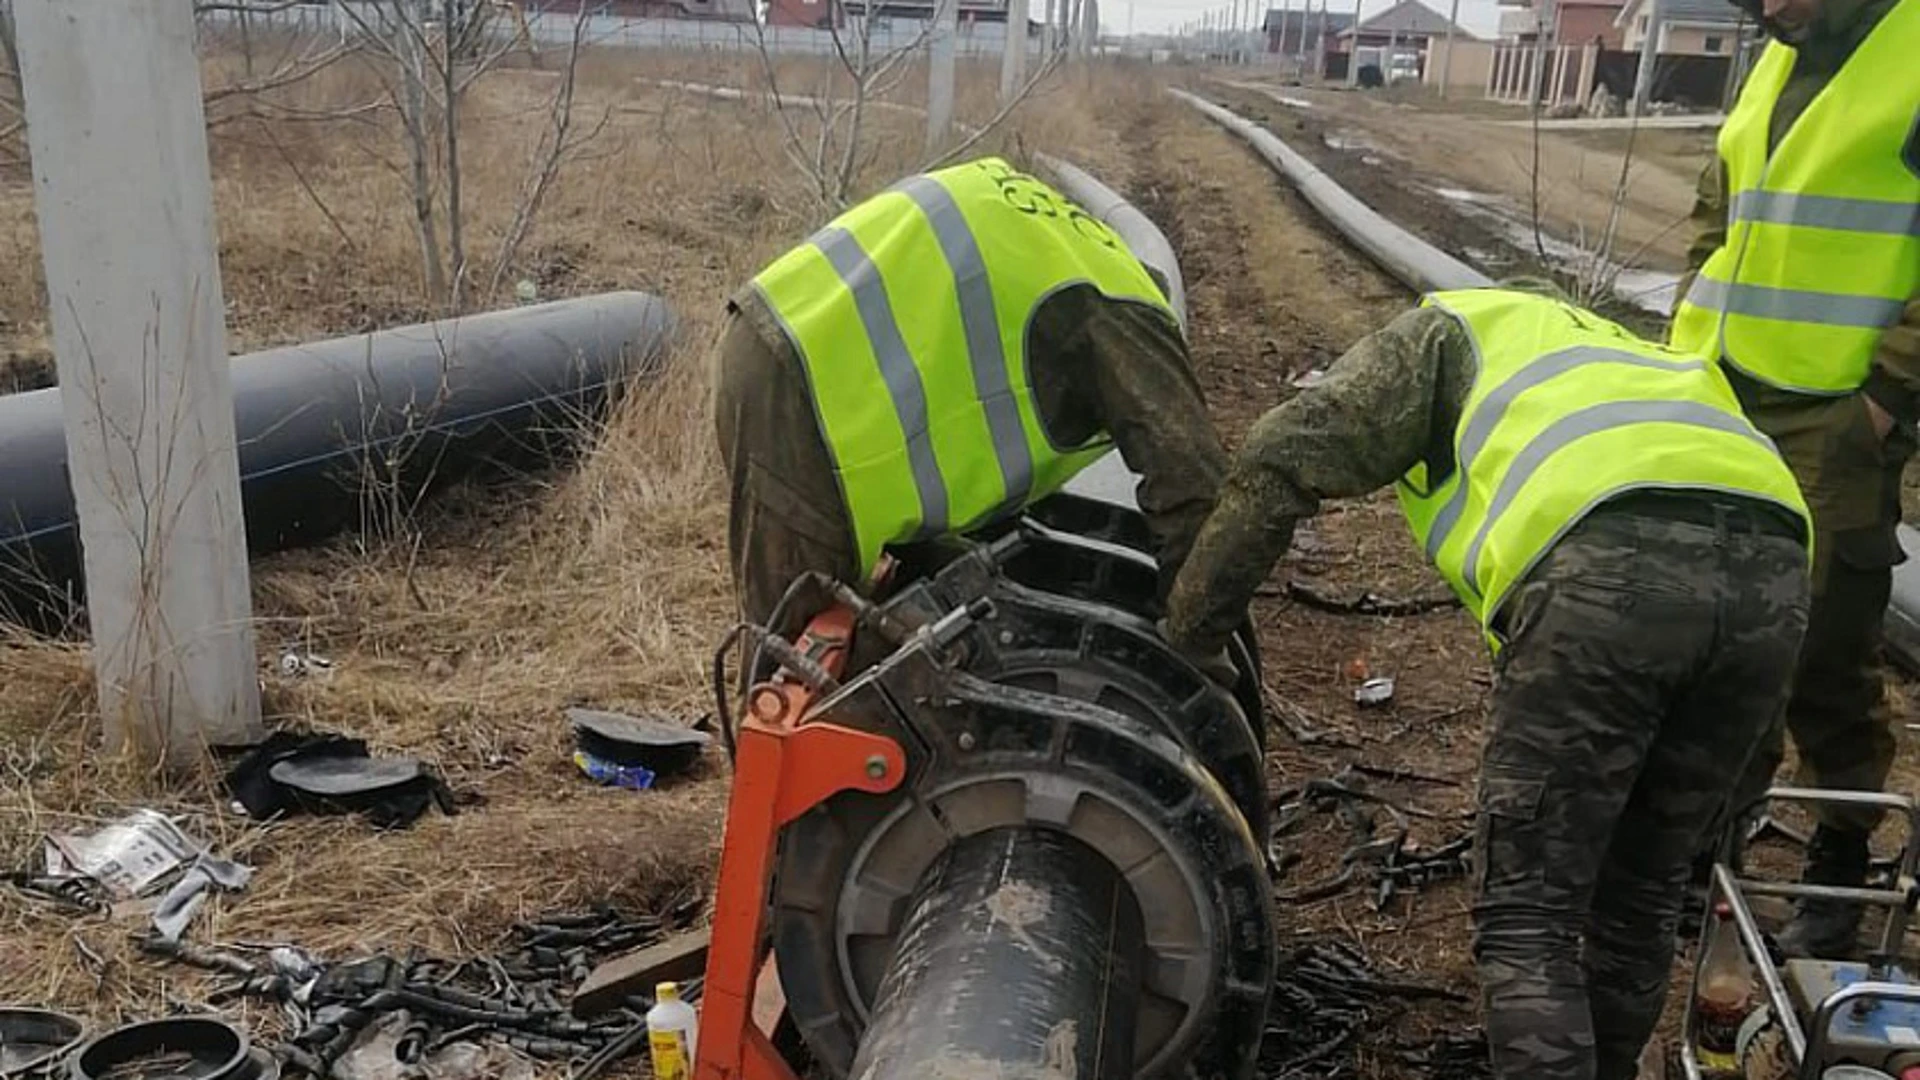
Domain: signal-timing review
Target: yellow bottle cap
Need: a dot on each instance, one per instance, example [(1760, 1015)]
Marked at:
[(667, 991)]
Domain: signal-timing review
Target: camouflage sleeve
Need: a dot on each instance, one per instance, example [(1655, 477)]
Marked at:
[(1709, 219), (1894, 383), (1390, 403), (1152, 406)]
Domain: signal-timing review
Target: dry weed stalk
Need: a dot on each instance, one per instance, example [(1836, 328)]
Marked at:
[(606, 584), (842, 144), (432, 53)]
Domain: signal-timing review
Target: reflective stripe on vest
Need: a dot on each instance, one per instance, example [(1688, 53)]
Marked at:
[(1566, 411), (910, 313), (1823, 234)]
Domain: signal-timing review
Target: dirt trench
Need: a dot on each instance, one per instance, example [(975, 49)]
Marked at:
[(1272, 294)]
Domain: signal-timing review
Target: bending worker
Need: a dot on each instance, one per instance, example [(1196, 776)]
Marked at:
[(939, 357), (1806, 269), (1636, 553)]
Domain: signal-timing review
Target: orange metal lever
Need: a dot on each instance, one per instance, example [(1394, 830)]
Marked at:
[(783, 767)]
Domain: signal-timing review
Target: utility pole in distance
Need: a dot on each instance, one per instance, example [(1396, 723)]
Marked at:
[(124, 198), (1650, 60), (1013, 62), (946, 26), (1446, 65)]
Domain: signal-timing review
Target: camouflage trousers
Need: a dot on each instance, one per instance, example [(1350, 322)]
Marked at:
[(1646, 657)]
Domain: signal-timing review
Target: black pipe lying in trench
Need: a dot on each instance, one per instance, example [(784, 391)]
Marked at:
[(1020, 959), (336, 433)]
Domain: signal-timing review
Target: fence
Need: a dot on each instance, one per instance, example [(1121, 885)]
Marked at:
[(1565, 73), (974, 39), (1573, 73)]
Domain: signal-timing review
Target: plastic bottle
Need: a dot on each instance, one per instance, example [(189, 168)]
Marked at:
[(672, 1028), (1723, 997)]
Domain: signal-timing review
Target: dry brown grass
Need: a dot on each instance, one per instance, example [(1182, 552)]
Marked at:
[(603, 585)]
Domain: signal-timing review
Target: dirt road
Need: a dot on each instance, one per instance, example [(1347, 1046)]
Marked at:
[(1580, 172), (1274, 294), (1462, 181)]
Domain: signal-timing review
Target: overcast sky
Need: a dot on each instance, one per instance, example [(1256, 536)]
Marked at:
[(1159, 16)]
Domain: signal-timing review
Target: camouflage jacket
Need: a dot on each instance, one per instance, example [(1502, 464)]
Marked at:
[(1392, 401)]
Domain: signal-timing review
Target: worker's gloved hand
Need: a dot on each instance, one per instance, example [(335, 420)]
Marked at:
[(1218, 666)]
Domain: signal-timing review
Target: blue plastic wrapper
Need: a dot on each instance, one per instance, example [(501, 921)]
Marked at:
[(612, 773)]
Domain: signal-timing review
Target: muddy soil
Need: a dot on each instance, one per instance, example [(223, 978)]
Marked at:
[(1579, 171), (1484, 218), (1273, 295)]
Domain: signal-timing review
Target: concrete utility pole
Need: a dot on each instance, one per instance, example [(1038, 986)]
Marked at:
[(1542, 30), (1446, 65), (1649, 59), (1013, 60), (1320, 43), (1353, 50), (946, 26), (124, 198)]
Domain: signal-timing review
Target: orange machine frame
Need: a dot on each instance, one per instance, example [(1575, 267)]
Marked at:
[(784, 765)]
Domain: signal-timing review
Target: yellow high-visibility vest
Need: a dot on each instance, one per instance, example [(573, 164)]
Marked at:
[(1823, 235), (910, 312), (1569, 410)]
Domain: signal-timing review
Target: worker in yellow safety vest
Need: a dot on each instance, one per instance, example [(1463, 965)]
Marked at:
[(1634, 551), (1805, 273), (938, 358)]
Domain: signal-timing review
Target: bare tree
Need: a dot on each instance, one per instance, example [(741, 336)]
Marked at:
[(430, 54), (826, 134)]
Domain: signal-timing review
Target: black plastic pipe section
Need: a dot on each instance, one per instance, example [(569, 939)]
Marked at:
[(343, 432), (1143, 237), (1020, 959), (1417, 264)]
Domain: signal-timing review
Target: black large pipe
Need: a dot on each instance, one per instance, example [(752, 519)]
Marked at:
[(1020, 960), (334, 433)]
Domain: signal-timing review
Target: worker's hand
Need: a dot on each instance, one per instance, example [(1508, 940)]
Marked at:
[(1217, 667), (1881, 419)]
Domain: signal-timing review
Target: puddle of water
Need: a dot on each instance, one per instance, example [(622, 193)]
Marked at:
[(1347, 140), (1649, 290)]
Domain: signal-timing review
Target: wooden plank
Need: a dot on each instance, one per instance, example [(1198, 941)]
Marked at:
[(677, 959)]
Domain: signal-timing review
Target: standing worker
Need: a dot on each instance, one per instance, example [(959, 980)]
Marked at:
[(1804, 280), (1636, 553), (940, 357)]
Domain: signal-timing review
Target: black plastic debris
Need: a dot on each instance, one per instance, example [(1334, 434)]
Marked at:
[(663, 747), (1382, 854), (178, 1048), (30, 1038), (329, 774), (1330, 1007), (518, 997)]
